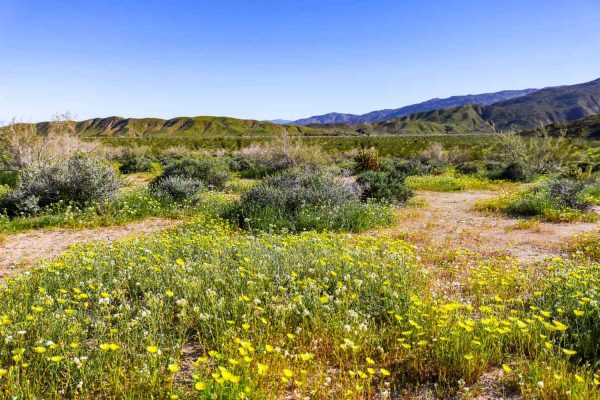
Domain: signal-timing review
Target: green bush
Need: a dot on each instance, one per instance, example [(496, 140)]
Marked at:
[(135, 164), (212, 172), (302, 199), (516, 172), (384, 186), (468, 168), (251, 168), (9, 178), (79, 181), (176, 188)]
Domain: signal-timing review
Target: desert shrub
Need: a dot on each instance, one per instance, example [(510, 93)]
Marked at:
[(566, 193), (212, 172), (415, 167), (579, 172), (468, 168), (516, 171), (389, 187), (79, 181), (135, 164), (176, 188), (255, 168), (307, 198), (367, 160), (541, 152)]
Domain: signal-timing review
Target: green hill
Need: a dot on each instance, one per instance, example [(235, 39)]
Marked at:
[(181, 127)]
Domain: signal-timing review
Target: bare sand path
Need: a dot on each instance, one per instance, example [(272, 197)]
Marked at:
[(18, 251), (448, 218)]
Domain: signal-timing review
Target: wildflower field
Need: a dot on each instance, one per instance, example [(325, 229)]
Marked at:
[(209, 311)]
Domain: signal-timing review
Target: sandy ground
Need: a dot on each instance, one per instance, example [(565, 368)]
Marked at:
[(21, 250), (449, 219)]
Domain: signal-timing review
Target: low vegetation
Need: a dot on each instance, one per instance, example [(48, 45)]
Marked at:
[(268, 290), (555, 200), (207, 310)]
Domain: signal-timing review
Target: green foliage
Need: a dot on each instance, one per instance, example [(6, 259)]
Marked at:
[(79, 181), (9, 178), (302, 199), (386, 186), (135, 164), (211, 171), (176, 188), (516, 171)]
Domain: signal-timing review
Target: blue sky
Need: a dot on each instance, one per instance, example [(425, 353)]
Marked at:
[(282, 59)]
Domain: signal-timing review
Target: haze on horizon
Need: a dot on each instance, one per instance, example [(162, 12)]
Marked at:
[(284, 59)]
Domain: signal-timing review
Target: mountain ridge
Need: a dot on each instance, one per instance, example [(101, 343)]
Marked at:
[(428, 105)]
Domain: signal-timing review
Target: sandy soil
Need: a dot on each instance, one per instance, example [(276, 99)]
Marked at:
[(21, 250), (449, 219)]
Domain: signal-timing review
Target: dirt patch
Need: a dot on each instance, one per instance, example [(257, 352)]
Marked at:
[(449, 219), (21, 250)]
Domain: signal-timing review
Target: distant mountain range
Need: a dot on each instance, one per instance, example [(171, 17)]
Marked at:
[(552, 105), (555, 105), (429, 105)]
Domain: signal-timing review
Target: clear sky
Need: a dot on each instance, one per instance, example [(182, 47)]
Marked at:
[(282, 59)]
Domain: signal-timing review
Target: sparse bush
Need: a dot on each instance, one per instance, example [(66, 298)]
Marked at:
[(541, 152), (579, 172), (26, 146), (79, 181), (367, 160), (566, 193), (212, 172), (176, 188), (135, 164), (384, 186)]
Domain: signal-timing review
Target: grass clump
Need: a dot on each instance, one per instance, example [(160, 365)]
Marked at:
[(308, 198)]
